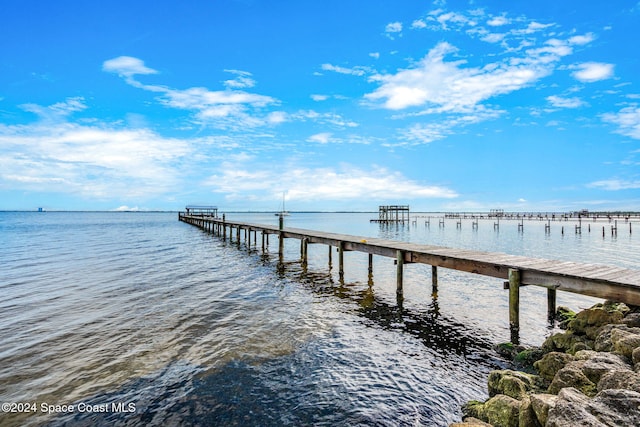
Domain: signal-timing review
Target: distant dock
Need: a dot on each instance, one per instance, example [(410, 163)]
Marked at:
[(601, 281)]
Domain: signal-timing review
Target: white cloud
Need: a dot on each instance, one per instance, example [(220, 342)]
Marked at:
[(393, 27), (582, 39), (418, 24), (57, 110), (126, 66), (627, 119), (498, 21), (593, 71), (615, 184), (242, 80), (355, 71), (322, 184), (375, 55), (96, 161), (560, 102), (321, 138), (319, 97), (231, 108), (451, 86)]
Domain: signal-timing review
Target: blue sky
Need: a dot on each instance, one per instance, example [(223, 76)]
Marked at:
[(339, 104)]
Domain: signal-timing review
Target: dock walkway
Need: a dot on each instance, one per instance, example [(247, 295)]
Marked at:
[(601, 281)]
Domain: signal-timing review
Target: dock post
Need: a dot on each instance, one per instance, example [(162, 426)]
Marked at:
[(262, 235), (304, 248), (341, 260), (551, 304), (330, 256), (281, 239), (399, 271), (370, 264), (434, 279), (514, 305), (224, 228)]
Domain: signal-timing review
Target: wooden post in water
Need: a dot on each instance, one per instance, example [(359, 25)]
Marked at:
[(551, 304), (434, 279), (330, 248), (305, 247), (281, 240), (341, 260), (399, 271), (370, 264), (514, 305)]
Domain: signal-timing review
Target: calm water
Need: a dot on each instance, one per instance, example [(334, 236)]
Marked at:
[(139, 319)]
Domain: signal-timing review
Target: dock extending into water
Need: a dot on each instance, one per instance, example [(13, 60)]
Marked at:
[(601, 281)]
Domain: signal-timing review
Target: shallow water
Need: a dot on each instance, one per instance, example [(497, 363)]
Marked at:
[(155, 322)]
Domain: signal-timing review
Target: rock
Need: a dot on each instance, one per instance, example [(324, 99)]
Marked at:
[(585, 354), (567, 342), (620, 379), (564, 315), (502, 411), (527, 416), (619, 408), (616, 408), (474, 409), (604, 342), (526, 358), (601, 363), (471, 422), (632, 320), (572, 376), (592, 318), (541, 404), (551, 363), (625, 343), (512, 383), (635, 356)]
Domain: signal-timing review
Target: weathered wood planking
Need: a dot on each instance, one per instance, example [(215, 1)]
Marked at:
[(600, 281)]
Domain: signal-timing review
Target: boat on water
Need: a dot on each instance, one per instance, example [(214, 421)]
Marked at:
[(282, 212)]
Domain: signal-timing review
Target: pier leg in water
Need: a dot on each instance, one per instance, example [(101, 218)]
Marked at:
[(514, 305), (399, 272), (551, 305), (341, 261), (330, 257), (370, 282), (434, 281)]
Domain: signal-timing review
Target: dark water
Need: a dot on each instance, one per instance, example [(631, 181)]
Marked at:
[(138, 319)]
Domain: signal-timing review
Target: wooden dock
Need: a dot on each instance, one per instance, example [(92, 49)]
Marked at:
[(601, 281)]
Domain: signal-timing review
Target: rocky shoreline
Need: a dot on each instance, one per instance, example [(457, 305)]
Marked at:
[(586, 376)]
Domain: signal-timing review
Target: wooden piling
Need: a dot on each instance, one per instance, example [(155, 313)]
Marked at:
[(514, 305), (551, 304), (434, 279), (399, 271), (341, 260)]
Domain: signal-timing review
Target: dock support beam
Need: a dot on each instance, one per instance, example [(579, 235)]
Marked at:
[(551, 304), (341, 260), (514, 305), (434, 279), (399, 271)]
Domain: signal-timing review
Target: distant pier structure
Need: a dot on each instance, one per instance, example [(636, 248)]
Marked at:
[(205, 211), (392, 214)]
